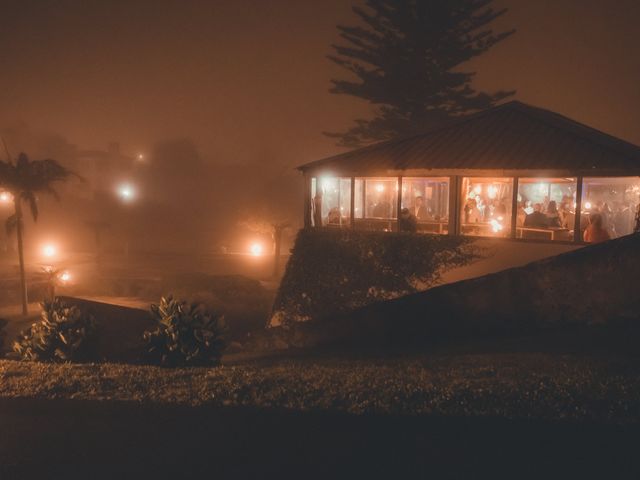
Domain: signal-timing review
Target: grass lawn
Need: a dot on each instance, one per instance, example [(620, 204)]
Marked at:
[(551, 386)]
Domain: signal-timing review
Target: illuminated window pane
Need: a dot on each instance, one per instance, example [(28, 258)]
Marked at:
[(609, 207), (486, 206), (376, 203), (427, 201), (331, 201), (546, 208)]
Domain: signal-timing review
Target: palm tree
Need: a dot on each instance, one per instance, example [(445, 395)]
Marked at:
[(24, 179)]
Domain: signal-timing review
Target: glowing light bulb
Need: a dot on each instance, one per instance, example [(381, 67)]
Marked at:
[(65, 277), (256, 249), (379, 188), (496, 226), (5, 197), (587, 205)]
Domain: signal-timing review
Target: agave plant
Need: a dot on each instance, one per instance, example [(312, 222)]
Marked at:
[(186, 334), (63, 333)]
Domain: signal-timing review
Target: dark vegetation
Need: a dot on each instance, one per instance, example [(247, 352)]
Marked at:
[(332, 272), (64, 333), (407, 58), (186, 334)]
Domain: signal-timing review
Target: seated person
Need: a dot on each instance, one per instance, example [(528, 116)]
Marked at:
[(553, 216), (407, 221), (471, 212), (595, 232), (536, 219), (333, 218)]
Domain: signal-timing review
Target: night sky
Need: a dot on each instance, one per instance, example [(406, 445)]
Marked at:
[(248, 80)]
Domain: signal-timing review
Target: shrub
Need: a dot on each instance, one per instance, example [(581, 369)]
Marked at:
[(335, 271), (64, 333), (186, 334)]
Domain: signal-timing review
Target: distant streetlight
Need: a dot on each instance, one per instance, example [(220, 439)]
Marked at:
[(49, 251), (126, 192), (6, 197)]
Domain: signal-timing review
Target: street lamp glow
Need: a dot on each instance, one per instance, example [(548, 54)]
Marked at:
[(126, 192), (256, 249), (49, 251)]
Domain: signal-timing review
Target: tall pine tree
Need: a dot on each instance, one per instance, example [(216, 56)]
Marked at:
[(406, 57)]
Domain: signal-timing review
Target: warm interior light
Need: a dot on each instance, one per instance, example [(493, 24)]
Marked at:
[(492, 191), (256, 249), (477, 189), (496, 226), (65, 277), (587, 205), (379, 188), (5, 197)]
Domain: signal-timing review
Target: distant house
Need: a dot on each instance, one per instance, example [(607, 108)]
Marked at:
[(515, 172)]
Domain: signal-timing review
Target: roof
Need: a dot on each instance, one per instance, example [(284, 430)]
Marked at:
[(511, 136)]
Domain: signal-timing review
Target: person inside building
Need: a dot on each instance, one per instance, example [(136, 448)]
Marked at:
[(420, 211), (553, 215), (536, 219), (595, 232), (407, 221), (317, 208)]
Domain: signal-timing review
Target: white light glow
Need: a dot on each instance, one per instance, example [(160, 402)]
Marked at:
[(49, 251), (256, 249), (5, 197), (496, 226), (65, 277), (126, 192), (492, 191), (477, 189), (587, 205), (379, 188)]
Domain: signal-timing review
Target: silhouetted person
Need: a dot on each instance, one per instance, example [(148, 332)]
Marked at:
[(536, 219), (382, 209), (595, 232), (553, 216), (407, 221), (420, 211), (317, 209)]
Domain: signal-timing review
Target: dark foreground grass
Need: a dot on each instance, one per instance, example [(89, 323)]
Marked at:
[(547, 386)]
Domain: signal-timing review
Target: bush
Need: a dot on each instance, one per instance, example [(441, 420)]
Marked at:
[(64, 333), (335, 271), (186, 334)]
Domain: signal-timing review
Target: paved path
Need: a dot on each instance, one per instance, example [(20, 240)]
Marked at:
[(69, 439)]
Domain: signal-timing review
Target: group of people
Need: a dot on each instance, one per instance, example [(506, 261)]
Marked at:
[(598, 222)]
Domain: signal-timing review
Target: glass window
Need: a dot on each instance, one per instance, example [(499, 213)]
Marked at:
[(609, 207), (427, 201), (486, 206), (331, 201), (376, 202), (546, 208)]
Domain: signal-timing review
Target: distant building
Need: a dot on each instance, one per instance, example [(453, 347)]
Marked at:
[(521, 174), (104, 169)]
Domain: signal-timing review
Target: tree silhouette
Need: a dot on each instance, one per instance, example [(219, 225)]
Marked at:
[(406, 58), (24, 179)]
